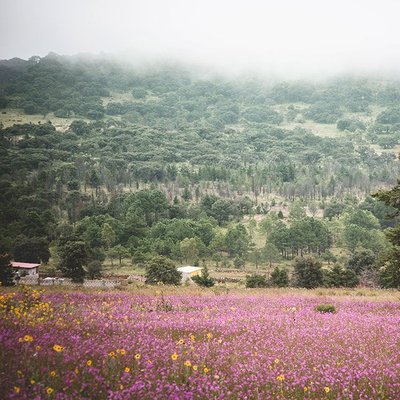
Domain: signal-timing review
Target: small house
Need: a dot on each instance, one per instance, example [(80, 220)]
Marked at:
[(189, 272), (25, 268)]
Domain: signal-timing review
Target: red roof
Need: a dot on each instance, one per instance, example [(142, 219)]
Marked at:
[(24, 265)]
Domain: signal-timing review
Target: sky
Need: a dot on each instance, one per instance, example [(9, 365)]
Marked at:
[(303, 37)]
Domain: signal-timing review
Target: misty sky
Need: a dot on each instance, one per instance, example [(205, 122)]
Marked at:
[(281, 36)]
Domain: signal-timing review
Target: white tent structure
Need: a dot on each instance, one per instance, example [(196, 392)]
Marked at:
[(189, 272)]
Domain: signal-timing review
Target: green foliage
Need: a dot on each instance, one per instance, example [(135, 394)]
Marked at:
[(279, 277), (31, 250), (237, 241), (204, 278), (361, 260), (337, 276), (389, 272), (325, 308), (72, 253), (94, 269), (162, 270), (256, 281), (6, 271), (308, 272)]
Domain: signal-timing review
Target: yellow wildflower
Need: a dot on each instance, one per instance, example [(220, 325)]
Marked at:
[(137, 356), (195, 367), (32, 381), (127, 369), (305, 389), (28, 338), (53, 373), (180, 341), (276, 361), (280, 378), (188, 363), (121, 386), (111, 354), (38, 348), (76, 370), (89, 363), (192, 337), (209, 335), (17, 389), (206, 370), (174, 356), (49, 390), (122, 352), (327, 389), (58, 348)]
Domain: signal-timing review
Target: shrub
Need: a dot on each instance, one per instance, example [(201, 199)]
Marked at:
[(279, 277), (162, 270), (94, 269), (325, 308), (204, 279), (6, 271), (256, 281), (308, 272), (338, 276)]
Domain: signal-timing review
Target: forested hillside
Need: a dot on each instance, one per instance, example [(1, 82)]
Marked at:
[(130, 162)]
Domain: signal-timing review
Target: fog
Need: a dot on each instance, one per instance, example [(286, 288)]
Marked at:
[(296, 38)]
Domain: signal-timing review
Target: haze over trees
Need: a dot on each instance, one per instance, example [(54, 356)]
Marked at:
[(170, 163)]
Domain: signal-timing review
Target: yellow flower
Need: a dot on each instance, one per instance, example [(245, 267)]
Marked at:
[(209, 335), (89, 363), (76, 370), (32, 381), (280, 378), (195, 367), (174, 356), (137, 356), (28, 338), (58, 348), (20, 339), (188, 363), (38, 348), (112, 354), (127, 369), (206, 370), (17, 389), (192, 337), (53, 373), (276, 360), (121, 386), (305, 389), (49, 390), (122, 352), (180, 341), (327, 389)]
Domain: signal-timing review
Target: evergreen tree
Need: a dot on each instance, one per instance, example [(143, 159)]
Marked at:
[(7, 273), (204, 279)]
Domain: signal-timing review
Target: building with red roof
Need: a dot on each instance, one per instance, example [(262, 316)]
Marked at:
[(25, 268)]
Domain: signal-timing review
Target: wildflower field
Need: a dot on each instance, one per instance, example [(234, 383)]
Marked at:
[(126, 345)]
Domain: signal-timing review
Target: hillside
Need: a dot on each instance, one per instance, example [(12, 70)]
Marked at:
[(134, 161)]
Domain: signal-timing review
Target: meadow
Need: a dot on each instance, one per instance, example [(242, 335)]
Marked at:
[(184, 343)]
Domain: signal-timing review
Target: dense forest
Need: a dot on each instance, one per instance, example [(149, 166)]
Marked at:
[(133, 162)]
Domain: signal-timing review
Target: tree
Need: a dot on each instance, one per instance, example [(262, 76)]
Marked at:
[(120, 252), (31, 250), (204, 279), (337, 276), (362, 259), (73, 256), (108, 235), (162, 270), (279, 277), (7, 273), (94, 269), (308, 272), (189, 249), (256, 281), (270, 253), (237, 241)]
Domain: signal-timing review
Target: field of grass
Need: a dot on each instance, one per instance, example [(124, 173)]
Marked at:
[(192, 343)]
